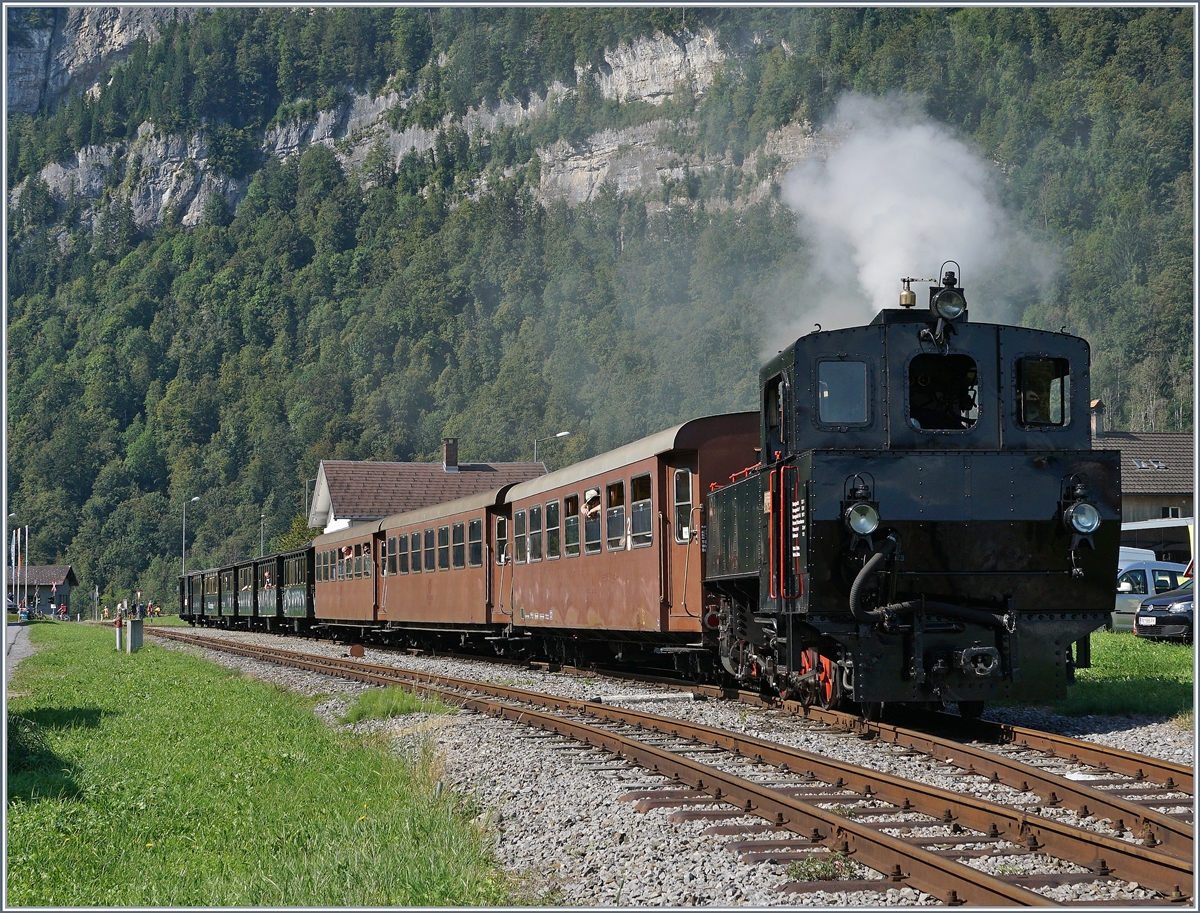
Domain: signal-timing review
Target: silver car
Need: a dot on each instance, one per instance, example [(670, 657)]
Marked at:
[(1138, 581)]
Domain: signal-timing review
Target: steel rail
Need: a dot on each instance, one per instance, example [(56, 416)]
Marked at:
[(951, 881), (1156, 828), (1103, 854)]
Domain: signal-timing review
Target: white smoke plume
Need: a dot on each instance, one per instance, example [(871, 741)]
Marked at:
[(896, 196)]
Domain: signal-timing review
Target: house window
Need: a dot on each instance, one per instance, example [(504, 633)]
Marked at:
[(430, 550), (535, 532), (501, 540), (459, 542), (683, 504), (553, 545), (571, 525), (614, 514), (475, 542), (641, 511), (943, 392), (402, 557), (443, 550), (519, 542), (416, 553), (1044, 391), (1170, 513)]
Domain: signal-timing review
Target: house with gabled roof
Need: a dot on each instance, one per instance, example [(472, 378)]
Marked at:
[(43, 585), (350, 492)]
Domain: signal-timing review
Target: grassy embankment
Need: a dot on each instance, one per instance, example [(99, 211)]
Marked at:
[(159, 779), (1134, 676)]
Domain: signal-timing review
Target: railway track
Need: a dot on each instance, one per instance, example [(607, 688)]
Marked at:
[(788, 789)]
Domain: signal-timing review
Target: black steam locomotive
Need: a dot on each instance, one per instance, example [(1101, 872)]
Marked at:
[(929, 521)]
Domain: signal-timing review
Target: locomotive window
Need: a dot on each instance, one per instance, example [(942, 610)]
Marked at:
[(519, 537), (683, 504), (416, 553), (535, 532), (615, 515), (430, 550), (459, 533), (475, 542), (501, 540), (943, 392), (641, 516), (571, 525), (843, 397), (443, 550), (1137, 579), (1044, 391), (553, 544), (402, 554)]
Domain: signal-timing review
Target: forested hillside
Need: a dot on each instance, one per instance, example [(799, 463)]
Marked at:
[(365, 313)]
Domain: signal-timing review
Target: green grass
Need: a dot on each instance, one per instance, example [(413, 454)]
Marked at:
[(159, 779), (1133, 676), (822, 867), (382, 703)]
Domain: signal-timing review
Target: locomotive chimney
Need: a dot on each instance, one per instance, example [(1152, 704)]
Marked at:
[(1097, 418), (450, 454)]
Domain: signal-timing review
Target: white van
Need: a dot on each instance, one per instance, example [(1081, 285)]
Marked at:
[(1141, 580), (1130, 555)]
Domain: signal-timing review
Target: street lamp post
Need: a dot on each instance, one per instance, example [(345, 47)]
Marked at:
[(536, 440), (185, 504), (262, 519)]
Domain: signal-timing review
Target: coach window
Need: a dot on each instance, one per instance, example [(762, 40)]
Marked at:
[(1044, 392), (459, 541), (571, 525), (943, 392), (402, 553), (392, 565), (475, 542), (842, 393), (591, 530), (553, 544), (358, 561), (416, 553), (502, 540), (519, 542), (443, 548), (641, 515), (614, 514), (368, 565), (535, 532), (683, 504), (430, 550)]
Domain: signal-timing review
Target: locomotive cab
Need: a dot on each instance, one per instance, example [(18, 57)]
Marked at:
[(929, 521)]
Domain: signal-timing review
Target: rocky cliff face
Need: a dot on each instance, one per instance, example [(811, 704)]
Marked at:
[(73, 49), (173, 171)]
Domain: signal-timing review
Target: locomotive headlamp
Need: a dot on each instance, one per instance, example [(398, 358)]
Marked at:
[(1082, 517), (948, 302), (862, 518)]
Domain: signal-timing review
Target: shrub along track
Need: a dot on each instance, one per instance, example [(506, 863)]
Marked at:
[(927, 863)]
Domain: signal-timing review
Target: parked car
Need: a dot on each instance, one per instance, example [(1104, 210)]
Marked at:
[(1168, 616), (1139, 580), (1130, 555)]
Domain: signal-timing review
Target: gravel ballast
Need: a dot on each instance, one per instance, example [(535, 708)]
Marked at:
[(561, 826)]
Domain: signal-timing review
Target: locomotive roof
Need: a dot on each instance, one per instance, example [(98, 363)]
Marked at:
[(688, 435)]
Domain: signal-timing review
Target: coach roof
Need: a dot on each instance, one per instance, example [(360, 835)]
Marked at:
[(413, 517), (689, 435)]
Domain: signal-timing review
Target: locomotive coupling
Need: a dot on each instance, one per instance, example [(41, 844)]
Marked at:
[(980, 661)]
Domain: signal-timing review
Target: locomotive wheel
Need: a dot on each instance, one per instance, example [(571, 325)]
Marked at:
[(826, 684), (970, 710), (872, 711)]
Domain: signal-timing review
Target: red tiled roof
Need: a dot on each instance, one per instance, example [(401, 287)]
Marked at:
[(46, 575), (1152, 463), (370, 490)]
